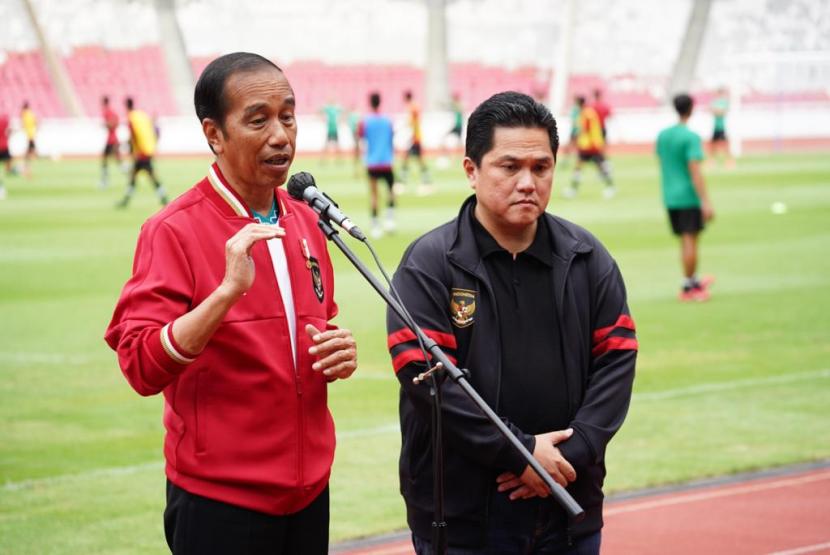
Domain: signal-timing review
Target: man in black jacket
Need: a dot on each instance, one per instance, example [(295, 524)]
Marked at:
[(535, 308)]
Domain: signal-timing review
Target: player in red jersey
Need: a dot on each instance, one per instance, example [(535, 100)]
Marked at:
[(603, 111), (5, 156), (111, 148)]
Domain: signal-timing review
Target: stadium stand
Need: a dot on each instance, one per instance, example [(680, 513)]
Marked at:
[(342, 49), (23, 76), (140, 73)]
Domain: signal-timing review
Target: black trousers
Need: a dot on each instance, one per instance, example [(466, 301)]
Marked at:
[(195, 525)]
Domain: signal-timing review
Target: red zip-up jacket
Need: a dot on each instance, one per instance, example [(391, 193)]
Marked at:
[(243, 425)]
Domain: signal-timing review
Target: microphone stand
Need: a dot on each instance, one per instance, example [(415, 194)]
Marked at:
[(442, 368)]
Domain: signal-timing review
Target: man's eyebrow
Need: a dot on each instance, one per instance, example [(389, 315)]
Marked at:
[(511, 158), (290, 102), (254, 108)]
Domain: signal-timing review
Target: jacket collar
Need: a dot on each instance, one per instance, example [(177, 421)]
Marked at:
[(464, 250), (227, 200)]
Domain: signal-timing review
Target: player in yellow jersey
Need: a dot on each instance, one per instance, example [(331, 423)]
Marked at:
[(415, 150), (29, 123), (143, 146), (590, 146)]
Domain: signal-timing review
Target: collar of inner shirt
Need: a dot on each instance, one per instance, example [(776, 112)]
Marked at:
[(539, 249)]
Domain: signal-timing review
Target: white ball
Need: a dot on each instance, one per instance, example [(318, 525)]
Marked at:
[(778, 208)]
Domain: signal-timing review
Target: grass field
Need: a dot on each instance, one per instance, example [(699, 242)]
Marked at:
[(739, 383)]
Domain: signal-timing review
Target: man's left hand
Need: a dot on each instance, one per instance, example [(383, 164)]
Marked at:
[(336, 352)]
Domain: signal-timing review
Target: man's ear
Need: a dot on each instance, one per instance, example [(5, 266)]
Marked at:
[(471, 170), (214, 135)]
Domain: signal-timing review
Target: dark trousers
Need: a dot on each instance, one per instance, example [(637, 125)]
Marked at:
[(195, 525), (533, 526)]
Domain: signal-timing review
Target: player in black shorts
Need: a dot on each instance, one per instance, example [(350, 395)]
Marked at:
[(685, 195)]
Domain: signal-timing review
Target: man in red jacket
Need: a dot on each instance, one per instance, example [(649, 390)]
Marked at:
[(227, 314)]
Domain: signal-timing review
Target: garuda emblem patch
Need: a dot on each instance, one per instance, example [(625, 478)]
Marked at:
[(316, 277), (462, 307)]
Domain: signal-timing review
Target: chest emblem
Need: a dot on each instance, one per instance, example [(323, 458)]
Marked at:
[(314, 269), (316, 278), (462, 307)]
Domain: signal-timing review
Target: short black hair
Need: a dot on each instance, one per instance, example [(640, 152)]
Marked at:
[(580, 100), (407, 94), (506, 109), (374, 100), (683, 104), (105, 100), (129, 102), (209, 96)]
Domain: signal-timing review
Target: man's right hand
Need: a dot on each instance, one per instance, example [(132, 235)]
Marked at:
[(239, 266), (529, 484), (193, 330)]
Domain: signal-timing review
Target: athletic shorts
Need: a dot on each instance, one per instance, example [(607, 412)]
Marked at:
[(145, 164), (686, 220), (595, 157), (5, 155), (331, 136), (32, 145), (456, 130), (111, 149), (414, 150), (719, 135), (385, 174)]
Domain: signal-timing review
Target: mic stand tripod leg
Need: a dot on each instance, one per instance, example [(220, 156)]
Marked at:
[(439, 525)]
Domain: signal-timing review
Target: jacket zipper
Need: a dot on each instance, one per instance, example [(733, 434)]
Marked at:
[(295, 364), (559, 300), (297, 378)]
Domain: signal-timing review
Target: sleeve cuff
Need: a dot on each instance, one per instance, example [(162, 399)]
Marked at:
[(576, 450), (512, 460), (164, 348)]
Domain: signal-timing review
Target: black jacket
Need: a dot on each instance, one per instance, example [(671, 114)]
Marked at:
[(443, 283)]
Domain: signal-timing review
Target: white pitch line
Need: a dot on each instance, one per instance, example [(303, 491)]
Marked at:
[(390, 427), (714, 494), (136, 468), (363, 432), (730, 385), (806, 549), (95, 473)]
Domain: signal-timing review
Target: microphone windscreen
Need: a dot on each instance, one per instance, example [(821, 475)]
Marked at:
[(298, 183)]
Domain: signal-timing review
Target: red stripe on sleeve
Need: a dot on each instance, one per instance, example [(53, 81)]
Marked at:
[(412, 355), (624, 321), (398, 337), (446, 340), (615, 344)]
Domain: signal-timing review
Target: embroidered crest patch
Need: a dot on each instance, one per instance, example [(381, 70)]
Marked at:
[(316, 277), (462, 307)]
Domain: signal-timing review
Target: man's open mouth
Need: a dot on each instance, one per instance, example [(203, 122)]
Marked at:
[(278, 160)]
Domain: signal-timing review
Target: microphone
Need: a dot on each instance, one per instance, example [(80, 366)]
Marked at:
[(301, 186)]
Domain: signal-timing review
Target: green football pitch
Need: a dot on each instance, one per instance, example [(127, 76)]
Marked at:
[(739, 383)]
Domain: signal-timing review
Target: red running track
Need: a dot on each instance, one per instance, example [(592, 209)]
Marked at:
[(784, 514), (781, 515)]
